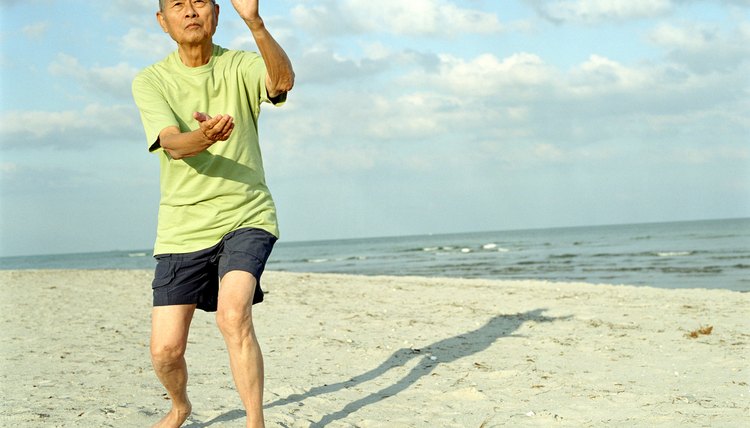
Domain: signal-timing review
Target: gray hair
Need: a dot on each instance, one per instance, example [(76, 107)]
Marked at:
[(161, 4)]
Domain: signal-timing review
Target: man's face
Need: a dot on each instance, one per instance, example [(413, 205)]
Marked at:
[(189, 21)]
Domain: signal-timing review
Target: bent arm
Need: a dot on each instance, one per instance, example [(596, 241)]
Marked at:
[(280, 75), (181, 145)]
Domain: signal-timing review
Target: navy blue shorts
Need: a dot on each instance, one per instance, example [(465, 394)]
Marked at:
[(193, 278)]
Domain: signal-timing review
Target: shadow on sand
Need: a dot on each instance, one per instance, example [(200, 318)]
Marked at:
[(445, 351), (226, 417)]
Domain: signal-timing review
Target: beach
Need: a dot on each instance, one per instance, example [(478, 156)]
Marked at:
[(378, 351)]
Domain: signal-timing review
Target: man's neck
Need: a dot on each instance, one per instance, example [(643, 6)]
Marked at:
[(196, 55)]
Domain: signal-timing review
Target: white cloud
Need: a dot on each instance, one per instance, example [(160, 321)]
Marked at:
[(114, 80), (488, 75), (695, 38), (548, 152), (377, 50), (600, 75), (727, 2), (71, 129), (706, 155), (599, 11), (595, 11), (382, 95), (523, 78), (8, 168), (325, 18), (704, 47), (415, 17), (36, 30), (12, 3), (516, 108), (320, 64), (135, 11), (141, 43)]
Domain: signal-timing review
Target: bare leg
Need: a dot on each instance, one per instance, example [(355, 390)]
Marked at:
[(169, 333), (235, 320)]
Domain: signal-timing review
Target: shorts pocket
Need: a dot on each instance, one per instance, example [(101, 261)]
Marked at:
[(164, 273)]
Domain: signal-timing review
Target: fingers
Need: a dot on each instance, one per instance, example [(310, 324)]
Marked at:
[(200, 116), (224, 128), (218, 128)]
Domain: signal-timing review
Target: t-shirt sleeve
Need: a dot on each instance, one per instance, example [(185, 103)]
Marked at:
[(155, 111), (255, 71), (278, 100)]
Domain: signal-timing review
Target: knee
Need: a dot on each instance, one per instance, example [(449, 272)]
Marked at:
[(234, 322), (165, 354)]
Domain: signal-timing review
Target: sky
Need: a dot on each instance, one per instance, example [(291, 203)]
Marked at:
[(407, 117)]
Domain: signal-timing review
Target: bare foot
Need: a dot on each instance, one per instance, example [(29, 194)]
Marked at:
[(175, 418)]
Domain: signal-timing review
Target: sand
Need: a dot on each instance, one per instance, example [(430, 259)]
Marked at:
[(355, 351)]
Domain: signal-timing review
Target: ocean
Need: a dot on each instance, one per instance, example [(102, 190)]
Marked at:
[(694, 254)]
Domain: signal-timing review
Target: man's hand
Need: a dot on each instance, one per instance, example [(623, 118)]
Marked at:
[(217, 128), (248, 10)]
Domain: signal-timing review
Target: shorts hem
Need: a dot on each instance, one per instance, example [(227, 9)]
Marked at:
[(175, 301)]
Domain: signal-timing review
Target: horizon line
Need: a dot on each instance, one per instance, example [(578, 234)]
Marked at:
[(150, 250)]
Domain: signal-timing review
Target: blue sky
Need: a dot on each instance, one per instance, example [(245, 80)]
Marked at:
[(408, 117)]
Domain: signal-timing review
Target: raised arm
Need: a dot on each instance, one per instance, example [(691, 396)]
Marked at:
[(280, 76)]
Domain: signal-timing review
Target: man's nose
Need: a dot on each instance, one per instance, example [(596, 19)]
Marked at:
[(190, 10)]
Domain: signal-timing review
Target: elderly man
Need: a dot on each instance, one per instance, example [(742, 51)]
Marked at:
[(217, 221)]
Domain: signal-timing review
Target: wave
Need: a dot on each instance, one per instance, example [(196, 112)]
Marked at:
[(648, 254), (701, 270), (674, 253), (740, 256), (713, 270), (491, 247), (563, 256)]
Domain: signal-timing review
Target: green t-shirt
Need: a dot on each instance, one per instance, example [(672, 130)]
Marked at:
[(223, 188)]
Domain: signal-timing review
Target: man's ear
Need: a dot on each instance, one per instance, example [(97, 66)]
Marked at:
[(162, 22)]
